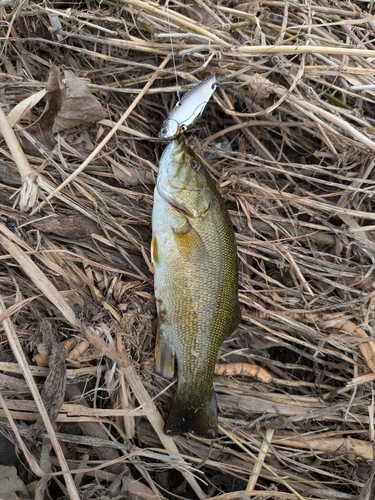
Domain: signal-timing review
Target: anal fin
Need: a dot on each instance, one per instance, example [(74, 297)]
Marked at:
[(164, 355)]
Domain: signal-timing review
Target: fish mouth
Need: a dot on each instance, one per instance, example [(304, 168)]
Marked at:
[(180, 148)]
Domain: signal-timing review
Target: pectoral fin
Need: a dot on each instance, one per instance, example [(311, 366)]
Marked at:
[(189, 243), (164, 355)]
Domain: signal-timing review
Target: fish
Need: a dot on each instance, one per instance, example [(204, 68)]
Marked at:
[(187, 111), (194, 255)]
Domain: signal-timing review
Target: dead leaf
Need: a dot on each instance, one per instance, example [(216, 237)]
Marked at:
[(79, 106), (133, 176), (259, 87), (11, 486), (252, 7), (136, 490), (76, 228), (70, 103), (54, 89)]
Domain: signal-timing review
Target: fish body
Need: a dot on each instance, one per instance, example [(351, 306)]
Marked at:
[(196, 279), (187, 111)]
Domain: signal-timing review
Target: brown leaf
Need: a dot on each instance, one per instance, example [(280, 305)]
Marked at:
[(137, 490), (79, 106), (54, 89), (252, 7), (11, 486), (76, 228), (69, 103), (133, 176), (259, 87)]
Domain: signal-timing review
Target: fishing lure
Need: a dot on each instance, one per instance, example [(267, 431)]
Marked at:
[(187, 111)]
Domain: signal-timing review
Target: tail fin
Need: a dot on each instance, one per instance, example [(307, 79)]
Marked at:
[(186, 415)]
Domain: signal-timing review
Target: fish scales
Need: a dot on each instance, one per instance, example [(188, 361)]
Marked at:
[(194, 256)]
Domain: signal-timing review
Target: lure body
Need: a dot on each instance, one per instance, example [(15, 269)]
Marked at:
[(186, 112), (194, 256)]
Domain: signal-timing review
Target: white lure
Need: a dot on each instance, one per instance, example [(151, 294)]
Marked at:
[(187, 111)]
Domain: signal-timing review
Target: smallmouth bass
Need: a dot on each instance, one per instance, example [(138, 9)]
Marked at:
[(196, 285)]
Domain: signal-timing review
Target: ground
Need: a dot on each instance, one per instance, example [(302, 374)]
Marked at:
[(289, 142)]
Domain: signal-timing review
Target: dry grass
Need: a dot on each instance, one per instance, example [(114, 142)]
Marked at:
[(291, 147)]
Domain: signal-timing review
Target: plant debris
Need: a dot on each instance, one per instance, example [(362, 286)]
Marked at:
[(296, 116)]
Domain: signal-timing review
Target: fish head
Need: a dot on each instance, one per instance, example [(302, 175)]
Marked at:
[(169, 129), (183, 180)]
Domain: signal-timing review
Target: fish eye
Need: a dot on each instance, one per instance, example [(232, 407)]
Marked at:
[(195, 165), (164, 131), (183, 128)]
